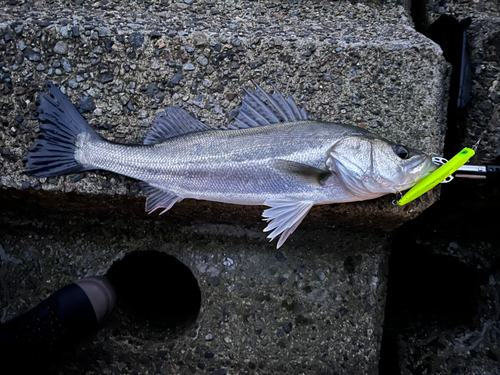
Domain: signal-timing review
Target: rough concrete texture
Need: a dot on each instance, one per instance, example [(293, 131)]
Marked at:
[(434, 348), (315, 307), (308, 309), (481, 118), (443, 308), (463, 350), (447, 322), (476, 9), (347, 63)]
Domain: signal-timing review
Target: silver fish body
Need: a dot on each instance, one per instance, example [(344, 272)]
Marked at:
[(289, 165), (237, 166)]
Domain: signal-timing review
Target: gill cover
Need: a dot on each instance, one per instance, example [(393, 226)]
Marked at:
[(368, 166)]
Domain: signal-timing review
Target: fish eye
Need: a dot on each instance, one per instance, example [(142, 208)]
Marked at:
[(401, 151)]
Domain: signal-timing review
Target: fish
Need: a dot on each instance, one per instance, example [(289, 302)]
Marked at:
[(273, 155)]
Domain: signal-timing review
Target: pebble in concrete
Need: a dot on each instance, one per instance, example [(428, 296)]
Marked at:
[(61, 48)]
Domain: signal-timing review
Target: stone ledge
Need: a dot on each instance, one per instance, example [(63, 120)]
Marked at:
[(354, 65), (380, 214)]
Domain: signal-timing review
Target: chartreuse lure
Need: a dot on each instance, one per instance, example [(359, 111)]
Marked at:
[(438, 176)]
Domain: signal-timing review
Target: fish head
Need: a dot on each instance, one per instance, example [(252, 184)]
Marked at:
[(370, 166)]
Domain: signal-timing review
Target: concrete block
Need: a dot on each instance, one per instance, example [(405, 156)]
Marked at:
[(314, 307), (354, 64)]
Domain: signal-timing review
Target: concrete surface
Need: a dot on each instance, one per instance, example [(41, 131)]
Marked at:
[(315, 307), (442, 306), (483, 118), (355, 64), (443, 294)]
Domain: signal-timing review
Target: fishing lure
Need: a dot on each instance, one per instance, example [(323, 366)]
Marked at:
[(438, 176)]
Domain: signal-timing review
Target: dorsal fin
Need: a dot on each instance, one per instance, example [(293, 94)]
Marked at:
[(174, 121), (260, 108)]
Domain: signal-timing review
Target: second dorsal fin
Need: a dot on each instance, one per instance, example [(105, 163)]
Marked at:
[(174, 121), (260, 108)]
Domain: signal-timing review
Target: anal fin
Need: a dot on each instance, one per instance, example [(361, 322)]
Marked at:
[(158, 198), (285, 215)]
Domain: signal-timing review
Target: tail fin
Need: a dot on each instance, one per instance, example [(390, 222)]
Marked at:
[(53, 153)]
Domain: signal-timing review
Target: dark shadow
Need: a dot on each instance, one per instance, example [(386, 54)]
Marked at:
[(432, 286), (451, 35), (155, 290), (425, 289), (419, 14)]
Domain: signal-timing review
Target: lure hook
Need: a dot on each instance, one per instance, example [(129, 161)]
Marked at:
[(476, 145), (399, 195)]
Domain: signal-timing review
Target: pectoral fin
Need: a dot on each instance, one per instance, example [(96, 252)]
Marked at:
[(285, 215), (311, 174), (158, 198)]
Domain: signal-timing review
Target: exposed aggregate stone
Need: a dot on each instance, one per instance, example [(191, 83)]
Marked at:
[(315, 307), (346, 63), (470, 347), (261, 308)]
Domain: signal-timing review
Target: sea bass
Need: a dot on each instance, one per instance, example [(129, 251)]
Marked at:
[(273, 155)]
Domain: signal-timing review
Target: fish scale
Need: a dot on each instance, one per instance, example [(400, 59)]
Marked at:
[(289, 166), (226, 168)]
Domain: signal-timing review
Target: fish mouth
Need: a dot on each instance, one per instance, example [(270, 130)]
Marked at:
[(424, 161), (421, 167), (429, 167)]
